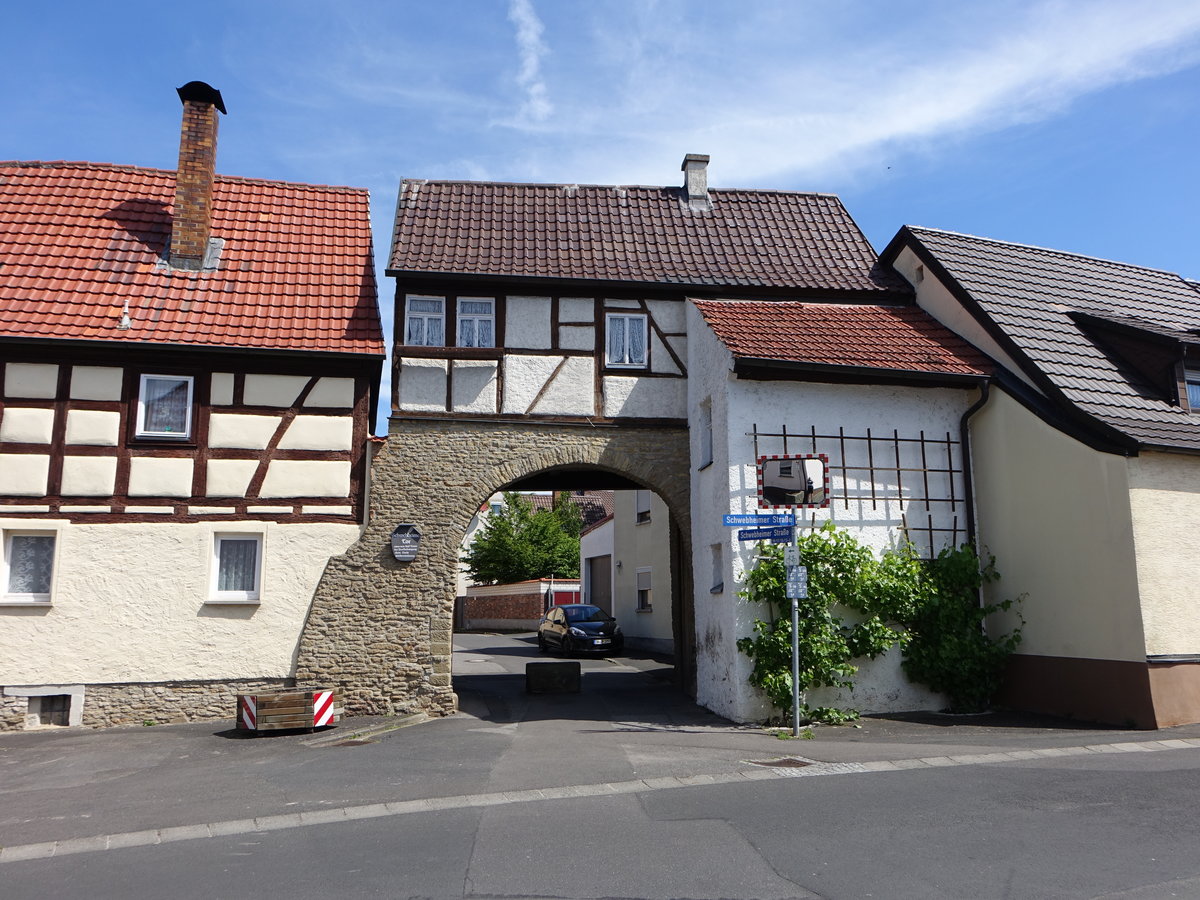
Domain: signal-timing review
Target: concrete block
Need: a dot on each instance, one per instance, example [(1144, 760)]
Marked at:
[(552, 678)]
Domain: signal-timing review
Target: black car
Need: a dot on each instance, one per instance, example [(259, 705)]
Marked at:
[(579, 627)]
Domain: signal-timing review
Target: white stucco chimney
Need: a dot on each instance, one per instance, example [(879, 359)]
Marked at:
[(695, 181)]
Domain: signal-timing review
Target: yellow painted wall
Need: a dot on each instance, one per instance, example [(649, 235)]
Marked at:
[(1056, 515), (1165, 498)]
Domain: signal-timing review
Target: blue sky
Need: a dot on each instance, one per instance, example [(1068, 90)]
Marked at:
[(1063, 123)]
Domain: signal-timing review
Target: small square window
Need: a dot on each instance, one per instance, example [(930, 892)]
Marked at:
[(237, 568), (28, 566), (476, 322), (626, 341), (165, 407), (425, 322)]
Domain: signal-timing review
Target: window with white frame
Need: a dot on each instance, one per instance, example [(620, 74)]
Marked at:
[(425, 321), (626, 334), (28, 566), (645, 596), (476, 322), (165, 407), (237, 568), (642, 507)]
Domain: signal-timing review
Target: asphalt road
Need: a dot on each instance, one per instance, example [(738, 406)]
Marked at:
[(625, 791)]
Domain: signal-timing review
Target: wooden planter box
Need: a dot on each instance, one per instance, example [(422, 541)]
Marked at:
[(309, 708)]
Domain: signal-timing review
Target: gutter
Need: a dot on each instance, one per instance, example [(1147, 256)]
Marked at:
[(964, 437)]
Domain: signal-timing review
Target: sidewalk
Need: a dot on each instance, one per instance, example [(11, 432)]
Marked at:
[(629, 731)]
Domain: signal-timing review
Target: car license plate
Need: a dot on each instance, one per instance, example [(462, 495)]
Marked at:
[(602, 641)]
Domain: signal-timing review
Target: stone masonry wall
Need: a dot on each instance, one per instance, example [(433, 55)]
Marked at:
[(379, 630), (158, 703)]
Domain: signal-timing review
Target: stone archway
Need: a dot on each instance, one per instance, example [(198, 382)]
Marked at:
[(380, 630)]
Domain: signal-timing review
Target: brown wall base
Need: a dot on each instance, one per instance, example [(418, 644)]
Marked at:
[(1115, 692), (1176, 691)]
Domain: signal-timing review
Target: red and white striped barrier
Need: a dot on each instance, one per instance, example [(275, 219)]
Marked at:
[(289, 709)]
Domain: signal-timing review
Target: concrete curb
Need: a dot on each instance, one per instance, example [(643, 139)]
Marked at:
[(347, 731)]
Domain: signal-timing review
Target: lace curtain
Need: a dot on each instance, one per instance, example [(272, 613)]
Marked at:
[(237, 568), (166, 404), (30, 563)]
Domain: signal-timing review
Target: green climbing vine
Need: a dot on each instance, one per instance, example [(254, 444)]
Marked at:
[(859, 607)]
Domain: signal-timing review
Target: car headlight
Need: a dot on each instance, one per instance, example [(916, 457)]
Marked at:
[(576, 632)]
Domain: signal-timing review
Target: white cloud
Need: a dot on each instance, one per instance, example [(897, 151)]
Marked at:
[(531, 49), (779, 93)]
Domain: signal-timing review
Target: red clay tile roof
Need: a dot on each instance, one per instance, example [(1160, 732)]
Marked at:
[(80, 240), (749, 239), (1035, 297), (901, 338)]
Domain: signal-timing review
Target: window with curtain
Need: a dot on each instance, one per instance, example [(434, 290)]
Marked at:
[(237, 565), (28, 566), (425, 322), (476, 322), (626, 340), (165, 406)]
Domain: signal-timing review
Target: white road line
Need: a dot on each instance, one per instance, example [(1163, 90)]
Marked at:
[(92, 844)]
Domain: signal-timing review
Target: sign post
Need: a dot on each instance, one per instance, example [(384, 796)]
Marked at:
[(797, 590)]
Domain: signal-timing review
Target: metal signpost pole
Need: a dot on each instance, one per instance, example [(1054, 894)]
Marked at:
[(795, 647)]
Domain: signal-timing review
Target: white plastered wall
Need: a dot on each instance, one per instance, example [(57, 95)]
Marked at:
[(642, 546), (729, 485), (128, 604), (1165, 503), (1056, 515), (647, 398)]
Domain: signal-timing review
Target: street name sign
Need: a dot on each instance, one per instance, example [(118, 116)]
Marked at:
[(775, 535), (756, 521)]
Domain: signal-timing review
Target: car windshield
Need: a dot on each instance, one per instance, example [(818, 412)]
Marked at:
[(586, 614)]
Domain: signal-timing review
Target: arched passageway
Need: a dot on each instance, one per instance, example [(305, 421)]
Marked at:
[(380, 630)]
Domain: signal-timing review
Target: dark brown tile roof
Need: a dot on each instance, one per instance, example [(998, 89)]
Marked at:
[(1030, 294), (903, 338), (749, 239), (81, 241), (593, 505)]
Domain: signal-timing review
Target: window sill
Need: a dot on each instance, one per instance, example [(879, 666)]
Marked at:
[(415, 351), (647, 609), (220, 601), (15, 602), (707, 465), (717, 588)]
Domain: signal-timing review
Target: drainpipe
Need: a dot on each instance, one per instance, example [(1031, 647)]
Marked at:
[(965, 438)]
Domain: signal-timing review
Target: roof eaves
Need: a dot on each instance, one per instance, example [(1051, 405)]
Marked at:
[(758, 368)]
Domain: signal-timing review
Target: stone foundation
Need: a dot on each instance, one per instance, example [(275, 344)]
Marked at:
[(379, 630), (105, 705)]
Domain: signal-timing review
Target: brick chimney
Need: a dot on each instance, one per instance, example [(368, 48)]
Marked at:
[(695, 181), (192, 224)]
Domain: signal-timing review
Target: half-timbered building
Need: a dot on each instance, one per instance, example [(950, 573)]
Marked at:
[(189, 365)]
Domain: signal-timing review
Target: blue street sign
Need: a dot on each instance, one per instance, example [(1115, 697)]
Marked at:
[(757, 521), (775, 535)]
